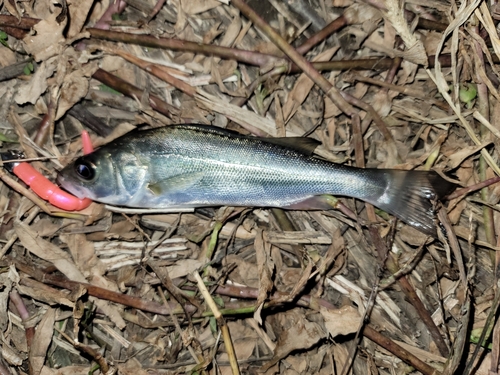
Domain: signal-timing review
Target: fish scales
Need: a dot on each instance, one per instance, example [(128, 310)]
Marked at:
[(194, 165)]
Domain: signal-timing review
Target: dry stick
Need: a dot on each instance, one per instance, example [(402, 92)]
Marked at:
[(489, 321), (248, 57), (382, 63), (17, 28), (321, 35), (399, 352), (472, 188), (221, 322), (14, 70), (132, 91), (484, 109), (25, 23), (24, 315)]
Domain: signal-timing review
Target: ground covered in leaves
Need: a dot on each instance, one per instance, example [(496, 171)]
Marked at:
[(252, 290)]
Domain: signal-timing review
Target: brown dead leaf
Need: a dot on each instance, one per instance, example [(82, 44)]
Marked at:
[(132, 367), (193, 7), (244, 341), (47, 39), (73, 89), (458, 156), (47, 251), (184, 267), (245, 273), (13, 8), (83, 254), (49, 296), (295, 333), (41, 341), (231, 33), (343, 321), (30, 91), (7, 280), (68, 370), (7, 56), (78, 14)]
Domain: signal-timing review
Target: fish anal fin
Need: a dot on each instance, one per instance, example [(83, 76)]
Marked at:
[(318, 202)]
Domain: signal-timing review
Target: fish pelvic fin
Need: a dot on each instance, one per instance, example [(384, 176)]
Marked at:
[(413, 196)]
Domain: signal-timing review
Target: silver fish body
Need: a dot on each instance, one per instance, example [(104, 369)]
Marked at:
[(194, 166)]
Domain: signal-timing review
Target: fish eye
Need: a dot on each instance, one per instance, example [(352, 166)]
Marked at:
[(85, 170)]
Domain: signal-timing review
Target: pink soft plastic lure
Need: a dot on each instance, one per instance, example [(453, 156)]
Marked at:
[(46, 189)]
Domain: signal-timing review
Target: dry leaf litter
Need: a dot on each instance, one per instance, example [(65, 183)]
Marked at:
[(247, 290)]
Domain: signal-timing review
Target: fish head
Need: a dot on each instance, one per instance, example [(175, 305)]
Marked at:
[(90, 176)]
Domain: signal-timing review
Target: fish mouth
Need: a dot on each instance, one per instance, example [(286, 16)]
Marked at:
[(69, 187)]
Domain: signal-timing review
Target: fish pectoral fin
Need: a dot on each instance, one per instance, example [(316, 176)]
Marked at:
[(175, 183)]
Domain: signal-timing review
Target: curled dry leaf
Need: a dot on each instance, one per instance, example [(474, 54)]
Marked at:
[(74, 87), (47, 39), (41, 341), (7, 280), (343, 321), (30, 91), (296, 333)]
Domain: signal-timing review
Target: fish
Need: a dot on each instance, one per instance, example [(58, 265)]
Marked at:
[(188, 166)]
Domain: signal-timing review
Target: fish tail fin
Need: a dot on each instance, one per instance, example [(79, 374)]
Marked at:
[(411, 196)]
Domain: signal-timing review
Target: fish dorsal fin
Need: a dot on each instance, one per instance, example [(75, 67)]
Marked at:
[(301, 144), (211, 129)]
